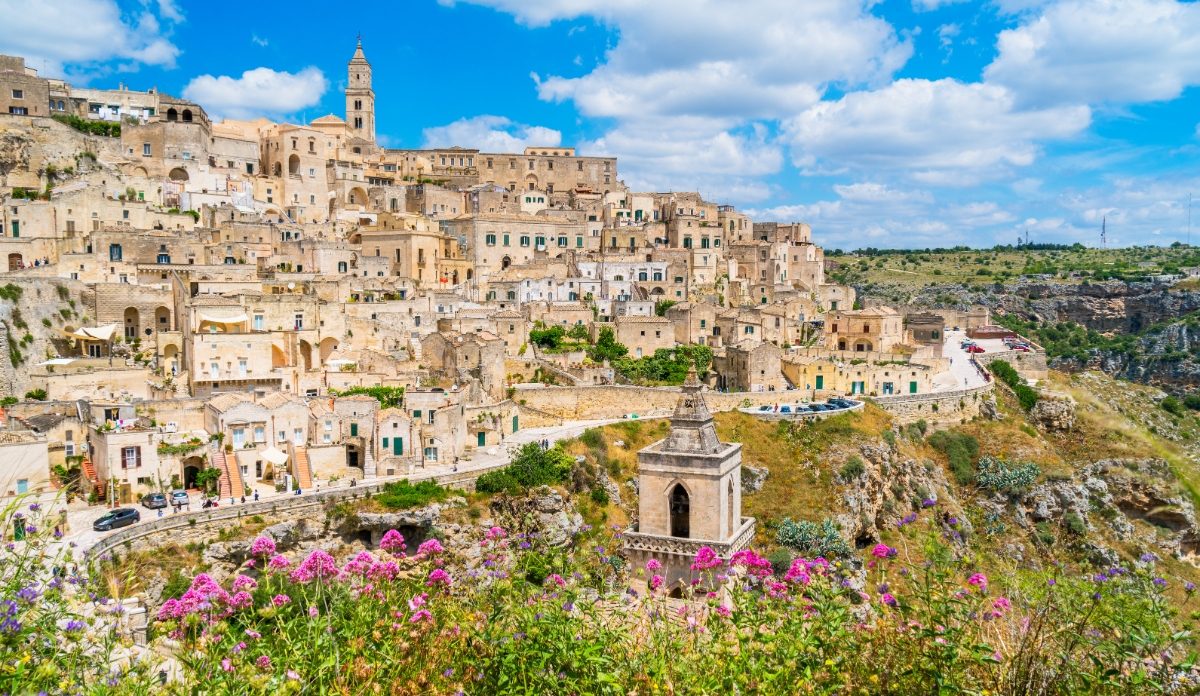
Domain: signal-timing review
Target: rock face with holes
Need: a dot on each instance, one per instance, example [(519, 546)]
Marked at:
[(889, 489), (1054, 413)]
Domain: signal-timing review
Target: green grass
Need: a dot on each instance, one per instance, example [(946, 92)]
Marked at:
[(403, 495)]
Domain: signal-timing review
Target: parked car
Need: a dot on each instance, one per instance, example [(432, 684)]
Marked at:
[(975, 349), (154, 501), (785, 409), (1023, 349), (765, 408), (180, 498), (121, 517)]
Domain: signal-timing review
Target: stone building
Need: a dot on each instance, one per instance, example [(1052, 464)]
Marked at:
[(749, 366), (689, 494), (876, 329)]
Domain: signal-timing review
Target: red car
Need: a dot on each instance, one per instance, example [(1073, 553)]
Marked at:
[(975, 349)]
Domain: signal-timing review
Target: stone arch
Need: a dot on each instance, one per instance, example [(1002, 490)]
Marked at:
[(862, 345), (172, 114), (294, 165), (140, 171), (326, 347), (733, 523), (132, 322), (306, 354), (162, 318), (170, 359), (15, 262), (278, 169), (679, 505), (531, 182), (278, 357), (658, 292), (505, 263), (191, 467), (187, 115), (178, 174), (357, 196)]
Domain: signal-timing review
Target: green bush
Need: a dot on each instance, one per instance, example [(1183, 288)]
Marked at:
[(388, 397), (1075, 523), (1004, 372), (104, 128), (812, 539), (402, 495), (961, 451), (997, 475), (599, 495), (36, 395), (607, 347), (852, 469), (1172, 405), (532, 466), (890, 438), (1192, 401)]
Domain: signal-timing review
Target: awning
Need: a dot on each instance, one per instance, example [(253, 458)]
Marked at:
[(96, 333), (233, 319), (274, 456), (57, 361), (338, 362)]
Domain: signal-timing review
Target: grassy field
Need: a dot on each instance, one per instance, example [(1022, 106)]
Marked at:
[(981, 266)]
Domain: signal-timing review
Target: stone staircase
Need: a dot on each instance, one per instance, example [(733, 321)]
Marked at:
[(370, 467), (181, 385), (414, 348), (301, 468), (230, 484)]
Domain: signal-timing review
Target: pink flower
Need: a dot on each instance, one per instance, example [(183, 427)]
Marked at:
[(438, 577), (263, 662), (392, 542), (430, 548), (754, 564), (653, 565), (978, 580), (798, 572), (243, 582), (280, 599), (883, 551), (318, 565), (724, 611), (656, 582), (706, 559), (227, 665), (241, 600), (293, 675), (556, 579), (360, 564), (263, 546), (420, 616), (776, 589), (888, 599), (496, 533), (1001, 605), (314, 612), (417, 601), (278, 562)]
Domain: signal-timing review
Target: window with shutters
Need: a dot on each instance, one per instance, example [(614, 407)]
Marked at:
[(131, 457)]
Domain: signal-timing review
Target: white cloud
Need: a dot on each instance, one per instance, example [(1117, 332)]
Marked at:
[(694, 86), (62, 37), (259, 41), (946, 35), (942, 132), (1101, 51), (258, 92), (927, 5), (490, 134)]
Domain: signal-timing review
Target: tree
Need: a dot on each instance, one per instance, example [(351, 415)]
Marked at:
[(388, 397), (607, 347), (206, 478), (661, 307)]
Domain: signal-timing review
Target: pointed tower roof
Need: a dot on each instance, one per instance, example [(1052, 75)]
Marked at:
[(359, 56), (692, 428)]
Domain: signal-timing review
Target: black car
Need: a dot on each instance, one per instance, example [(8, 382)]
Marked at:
[(154, 501), (121, 517)]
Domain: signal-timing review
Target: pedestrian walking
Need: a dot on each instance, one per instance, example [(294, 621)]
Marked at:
[(256, 496), (243, 500)]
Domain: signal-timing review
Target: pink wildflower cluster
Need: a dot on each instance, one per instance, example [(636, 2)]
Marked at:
[(653, 565), (262, 547), (978, 580), (438, 577), (393, 542), (802, 570), (706, 559), (278, 562), (204, 596), (496, 533), (656, 582), (319, 565), (243, 582), (430, 548), (359, 565), (754, 564), (883, 551)]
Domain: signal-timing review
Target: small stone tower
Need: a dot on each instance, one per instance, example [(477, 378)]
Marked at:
[(689, 492), (360, 98)]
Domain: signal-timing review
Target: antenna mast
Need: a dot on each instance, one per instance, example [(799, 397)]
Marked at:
[(1104, 233)]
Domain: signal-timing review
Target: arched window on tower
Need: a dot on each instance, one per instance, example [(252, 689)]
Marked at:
[(680, 512)]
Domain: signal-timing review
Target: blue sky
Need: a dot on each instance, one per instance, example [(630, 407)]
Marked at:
[(898, 123)]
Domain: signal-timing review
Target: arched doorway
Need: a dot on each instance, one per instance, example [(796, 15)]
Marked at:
[(187, 115), (191, 468), (178, 174), (352, 457), (306, 355), (470, 274), (357, 196), (326, 348), (131, 323), (15, 262), (505, 262), (170, 360), (862, 346), (680, 512), (172, 114), (294, 165)]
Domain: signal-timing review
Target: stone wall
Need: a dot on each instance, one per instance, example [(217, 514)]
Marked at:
[(1031, 365), (936, 407)]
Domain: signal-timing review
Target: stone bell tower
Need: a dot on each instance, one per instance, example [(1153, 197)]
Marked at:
[(360, 98), (689, 492)]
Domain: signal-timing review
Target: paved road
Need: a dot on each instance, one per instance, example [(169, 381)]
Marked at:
[(962, 372), (80, 517)]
